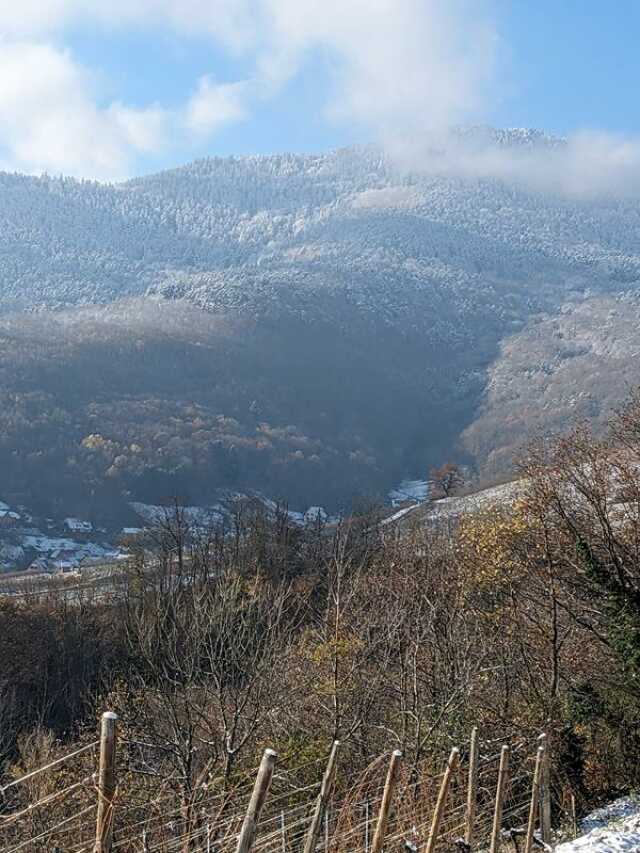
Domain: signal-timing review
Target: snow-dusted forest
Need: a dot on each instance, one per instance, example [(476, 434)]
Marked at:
[(259, 320)]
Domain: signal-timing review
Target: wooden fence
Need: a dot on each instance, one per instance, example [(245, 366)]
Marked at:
[(484, 796)]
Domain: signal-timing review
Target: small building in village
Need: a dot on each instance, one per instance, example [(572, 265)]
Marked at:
[(75, 525)]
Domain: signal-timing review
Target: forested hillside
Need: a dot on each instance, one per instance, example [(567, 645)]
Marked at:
[(316, 327), (514, 618)]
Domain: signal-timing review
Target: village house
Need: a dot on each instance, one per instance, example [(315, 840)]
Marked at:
[(75, 525)]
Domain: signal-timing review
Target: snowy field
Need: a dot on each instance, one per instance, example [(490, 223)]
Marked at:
[(409, 490), (615, 828), (503, 495)]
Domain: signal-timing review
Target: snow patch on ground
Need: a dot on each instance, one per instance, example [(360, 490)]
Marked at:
[(194, 515), (49, 543), (409, 490), (615, 828), (11, 553), (391, 519), (207, 517), (69, 552), (504, 495)]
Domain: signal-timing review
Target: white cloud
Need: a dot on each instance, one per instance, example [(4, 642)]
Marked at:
[(594, 163), (215, 104), (232, 21), (584, 165), (400, 68), (143, 130), (49, 122), (33, 17), (404, 70), (51, 119)]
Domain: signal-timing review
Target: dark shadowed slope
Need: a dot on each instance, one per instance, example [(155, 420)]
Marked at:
[(313, 326)]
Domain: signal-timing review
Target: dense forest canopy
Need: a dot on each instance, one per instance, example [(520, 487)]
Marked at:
[(145, 400), (314, 327)]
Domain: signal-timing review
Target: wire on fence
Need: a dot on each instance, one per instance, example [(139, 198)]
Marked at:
[(8, 820), (286, 829), (63, 758), (52, 830)]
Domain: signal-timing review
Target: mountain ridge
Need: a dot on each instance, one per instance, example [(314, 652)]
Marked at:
[(366, 309)]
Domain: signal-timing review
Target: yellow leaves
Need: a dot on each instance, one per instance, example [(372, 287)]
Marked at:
[(100, 444), (325, 659), (345, 648), (93, 442), (487, 549)]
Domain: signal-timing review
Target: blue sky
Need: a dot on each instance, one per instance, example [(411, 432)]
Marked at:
[(109, 90), (165, 66), (575, 64)]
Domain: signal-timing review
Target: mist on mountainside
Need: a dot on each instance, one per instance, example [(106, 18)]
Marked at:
[(147, 399), (311, 327)]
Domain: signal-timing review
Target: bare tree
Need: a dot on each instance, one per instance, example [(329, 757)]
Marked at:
[(447, 479), (203, 653)]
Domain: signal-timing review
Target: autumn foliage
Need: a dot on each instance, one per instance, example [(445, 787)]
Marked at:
[(516, 619)]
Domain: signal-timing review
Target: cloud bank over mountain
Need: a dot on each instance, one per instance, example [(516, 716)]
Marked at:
[(398, 67), (401, 72), (584, 165)]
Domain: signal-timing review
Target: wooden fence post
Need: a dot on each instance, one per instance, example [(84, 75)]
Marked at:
[(106, 783), (385, 805), (472, 790), (535, 795), (545, 792), (500, 792), (259, 795), (326, 789), (366, 827), (452, 766)]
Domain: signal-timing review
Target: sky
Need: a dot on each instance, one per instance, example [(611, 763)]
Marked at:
[(108, 90)]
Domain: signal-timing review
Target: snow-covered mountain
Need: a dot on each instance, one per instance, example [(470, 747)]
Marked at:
[(237, 231), (383, 316)]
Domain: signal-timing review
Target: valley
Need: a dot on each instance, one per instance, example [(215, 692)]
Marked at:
[(312, 327)]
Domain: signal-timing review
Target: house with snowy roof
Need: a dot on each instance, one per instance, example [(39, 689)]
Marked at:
[(75, 525), (8, 518)]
